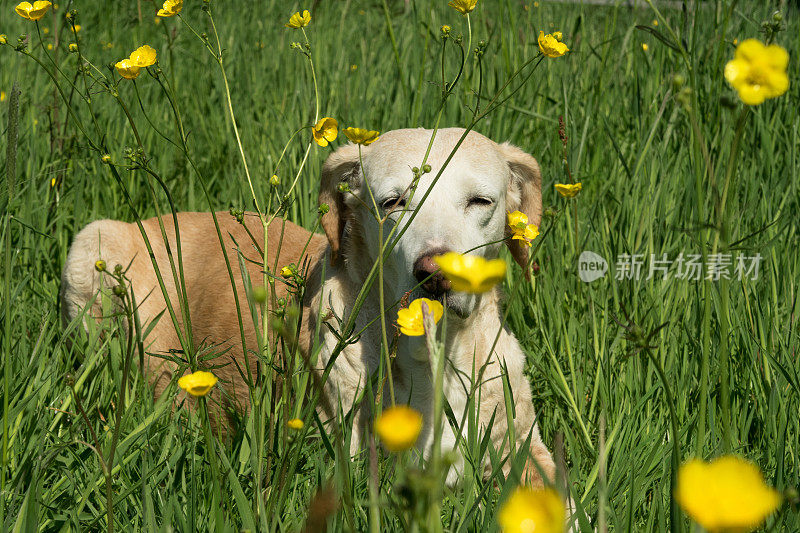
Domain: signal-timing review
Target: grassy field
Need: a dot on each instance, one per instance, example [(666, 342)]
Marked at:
[(655, 159)]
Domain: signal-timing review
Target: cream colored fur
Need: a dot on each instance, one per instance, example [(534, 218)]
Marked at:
[(448, 219)]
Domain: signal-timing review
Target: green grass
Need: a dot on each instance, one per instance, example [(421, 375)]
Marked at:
[(631, 145)]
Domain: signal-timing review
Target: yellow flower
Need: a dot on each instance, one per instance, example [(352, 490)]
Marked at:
[(198, 383), (295, 424), (529, 510), (353, 67), (758, 72), (144, 56), (325, 131), (2, 96), (274, 180), (45, 30), (568, 190), (645, 47), (73, 47), (410, 319), (728, 494), (463, 6), (77, 28), (286, 272), (299, 21), (471, 273), (127, 69), (170, 8), (522, 231), (399, 427), (100, 265), (33, 11), (361, 136), (550, 46), (3, 38), (558, 35), (536, 4)]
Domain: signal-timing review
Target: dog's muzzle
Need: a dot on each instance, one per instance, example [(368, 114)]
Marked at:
[(427, 273)]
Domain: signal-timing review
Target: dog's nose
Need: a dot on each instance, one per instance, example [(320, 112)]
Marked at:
[(426, 271)]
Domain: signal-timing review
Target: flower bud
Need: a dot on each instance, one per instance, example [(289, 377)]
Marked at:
[(323, 209), (259, 294), (119, 290), (426, 169), (777, 16), (343, 187), (677, 82), (274, 180), (100, 265)]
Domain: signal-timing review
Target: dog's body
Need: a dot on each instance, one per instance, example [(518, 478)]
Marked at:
[(465, 210)]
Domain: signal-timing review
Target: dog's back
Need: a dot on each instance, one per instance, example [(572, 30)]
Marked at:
[(211, 300)]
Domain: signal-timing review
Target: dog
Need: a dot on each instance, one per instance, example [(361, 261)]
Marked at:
[(465, 210)]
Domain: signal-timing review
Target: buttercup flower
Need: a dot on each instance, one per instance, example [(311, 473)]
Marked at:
[(3, 38), (522, 231), (33, 11), (558, 35), (551, 46), (286, 272), (361, 136), (410, 319), (170, 8), (529, 510), (144, 56), (325, 131), (463, 6), (568, 190), (727, 494), (100, 265), (297, 20), (471, 273), (398, 427), (73, 47), (295, 424), (757, 71), (645, 47), (198, 383), (127, 69)]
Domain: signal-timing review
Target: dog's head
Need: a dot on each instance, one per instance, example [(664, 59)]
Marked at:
[(465, 210)]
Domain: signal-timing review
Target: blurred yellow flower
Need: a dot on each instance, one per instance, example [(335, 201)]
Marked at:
[(127, 69), (3, 38), (398, 427), (299, 21), (361, 136), (45, 30), (2, 96), (550, 46), (353, 67), (295, 424), (410, 319), (727, 494), (49, 46), (73, 47), (463, 6), (532, 510), (274, 180), (757, 71), (325, 131), (569, 190), (198, 383), (286, 272), (170, 8), (471, 273), (522, 231), (645, 47), (655, 22), (33, 11), (77, 28)]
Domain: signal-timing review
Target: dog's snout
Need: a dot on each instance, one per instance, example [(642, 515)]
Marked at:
[(426, 271)]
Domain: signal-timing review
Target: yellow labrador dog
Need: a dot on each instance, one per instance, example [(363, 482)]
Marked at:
[(465, 210)]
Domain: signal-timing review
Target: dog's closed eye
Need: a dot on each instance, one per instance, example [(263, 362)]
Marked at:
[(393, 203), (479, 201)]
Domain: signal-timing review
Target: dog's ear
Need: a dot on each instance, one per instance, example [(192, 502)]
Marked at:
[(341, 166), (524, 194)]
